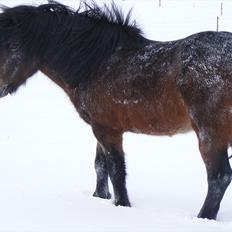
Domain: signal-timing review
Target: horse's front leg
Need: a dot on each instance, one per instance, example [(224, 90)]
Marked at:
[(218, 173), (102, 188), (111, 143)]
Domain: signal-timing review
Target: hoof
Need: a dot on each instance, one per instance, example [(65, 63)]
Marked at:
[(207, 215), (102, 195), (124, 203)]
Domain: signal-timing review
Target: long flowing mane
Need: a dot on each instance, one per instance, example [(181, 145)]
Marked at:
[(76, 43), (90, 36)]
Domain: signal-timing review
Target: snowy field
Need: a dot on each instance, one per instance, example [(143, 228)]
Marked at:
[(47, 152)]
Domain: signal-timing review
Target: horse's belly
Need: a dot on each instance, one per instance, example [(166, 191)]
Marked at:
[(160, 120), (162, 129)]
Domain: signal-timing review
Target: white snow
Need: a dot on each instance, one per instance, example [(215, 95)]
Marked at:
[(47, 152)]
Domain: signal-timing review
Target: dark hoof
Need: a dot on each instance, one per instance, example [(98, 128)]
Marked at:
[(207, 215), (102, 195), (125, 203)]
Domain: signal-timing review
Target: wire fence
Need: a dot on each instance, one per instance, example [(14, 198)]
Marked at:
[(218, 18)]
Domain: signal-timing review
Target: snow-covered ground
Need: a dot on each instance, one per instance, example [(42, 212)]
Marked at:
[(47, 152)]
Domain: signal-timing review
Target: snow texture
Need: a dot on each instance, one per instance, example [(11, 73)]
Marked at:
[(47, 152)]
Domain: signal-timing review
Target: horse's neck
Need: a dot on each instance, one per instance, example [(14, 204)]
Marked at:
[(55, 77)]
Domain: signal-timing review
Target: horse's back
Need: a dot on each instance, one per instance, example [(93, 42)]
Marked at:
[(206, 65), (207, 52)]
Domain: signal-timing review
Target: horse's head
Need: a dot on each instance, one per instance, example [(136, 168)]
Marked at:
[(14, 70), (16, 60)]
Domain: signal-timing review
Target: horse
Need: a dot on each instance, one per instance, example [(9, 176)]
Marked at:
[(119, 81)]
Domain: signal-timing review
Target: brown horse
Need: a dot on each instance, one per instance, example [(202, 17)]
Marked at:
[(120, 81)]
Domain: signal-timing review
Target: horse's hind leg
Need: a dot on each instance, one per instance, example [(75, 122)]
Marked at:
[(111, 143), (219, 178), (102, 189), (208, 101), (214, 153)]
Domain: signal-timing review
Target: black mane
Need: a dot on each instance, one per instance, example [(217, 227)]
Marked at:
[(74, 43)]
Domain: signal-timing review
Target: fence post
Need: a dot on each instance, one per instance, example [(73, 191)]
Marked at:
[(217, 24), (159, 3), (221, 8)]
